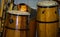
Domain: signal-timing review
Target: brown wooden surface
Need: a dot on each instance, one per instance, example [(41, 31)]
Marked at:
[(32, 22), (32, 27), (47, 15), (1, 8), (19, 22)]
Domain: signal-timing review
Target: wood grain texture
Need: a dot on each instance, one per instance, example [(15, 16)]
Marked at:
[(47, 15), (32, 22), (1, 8), (19, 22)]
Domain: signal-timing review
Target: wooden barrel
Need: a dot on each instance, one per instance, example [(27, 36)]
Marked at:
[(16, 24), (47, 19), (32, 23)]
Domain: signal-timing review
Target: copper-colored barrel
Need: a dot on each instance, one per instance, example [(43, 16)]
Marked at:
[(16, 24), (47, 19), (32, 22)]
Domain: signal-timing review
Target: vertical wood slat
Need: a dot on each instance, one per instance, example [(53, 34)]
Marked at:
[(2, 5)]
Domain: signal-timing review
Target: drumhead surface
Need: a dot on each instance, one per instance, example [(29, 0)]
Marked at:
[(18, 12), (47, 3)]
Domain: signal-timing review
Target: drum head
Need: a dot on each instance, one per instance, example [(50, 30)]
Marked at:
[(14, 12), (47, 3)]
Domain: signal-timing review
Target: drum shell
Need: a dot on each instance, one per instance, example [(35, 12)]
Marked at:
[(32, 20), (32, 24), (47, 30), (15, 26), (47, 14), (46, 27), (32, 27)]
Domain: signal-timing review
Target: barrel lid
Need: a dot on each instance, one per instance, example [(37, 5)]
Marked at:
[(15, 12), (47, 3)]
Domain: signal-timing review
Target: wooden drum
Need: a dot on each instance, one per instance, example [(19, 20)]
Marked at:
[(47, 19), (32, 23), (16, 24)]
